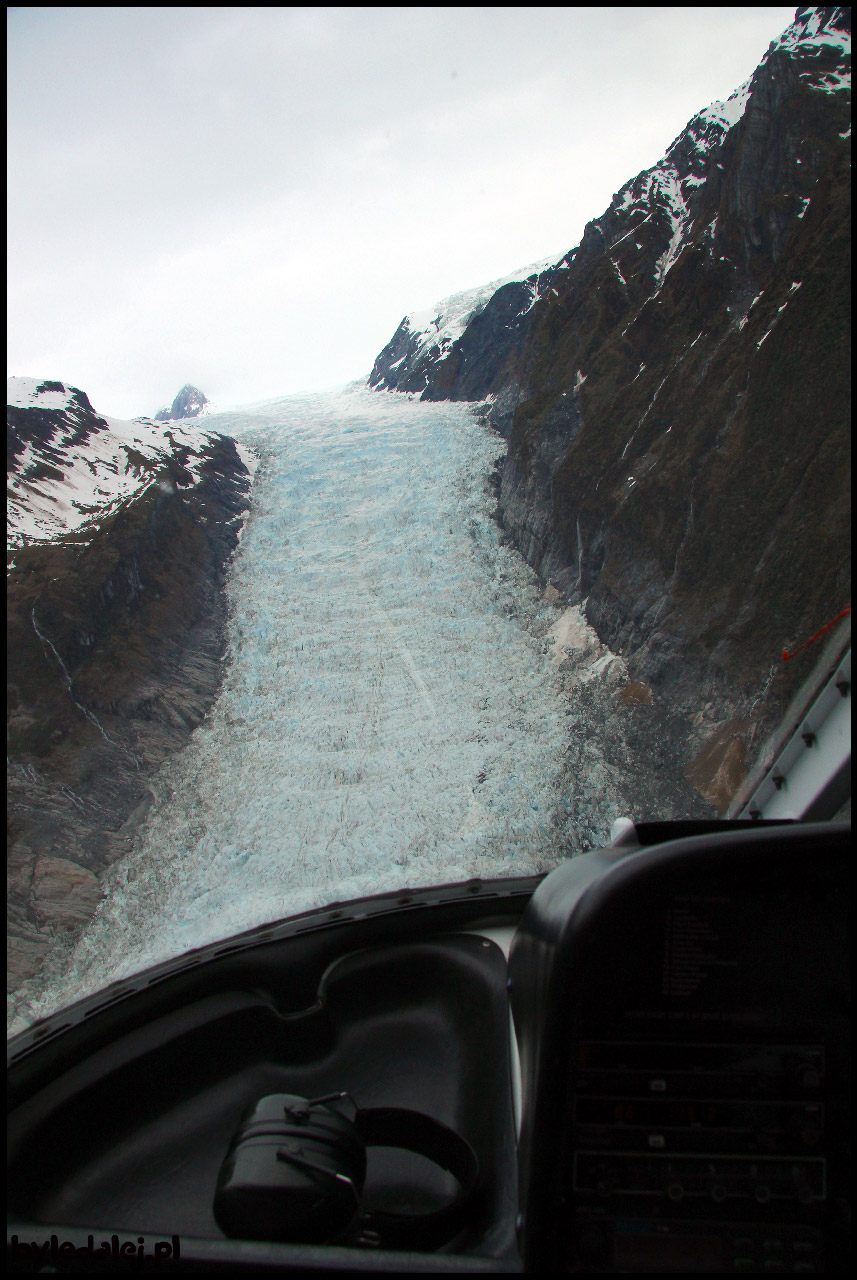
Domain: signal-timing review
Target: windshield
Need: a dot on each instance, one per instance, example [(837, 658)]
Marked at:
[(534, 574)]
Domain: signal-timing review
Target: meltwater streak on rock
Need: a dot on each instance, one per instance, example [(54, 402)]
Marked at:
[(387, 719)]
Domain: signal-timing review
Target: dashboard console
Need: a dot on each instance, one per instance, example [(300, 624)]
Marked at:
[(680, 1004), (682, 1022)]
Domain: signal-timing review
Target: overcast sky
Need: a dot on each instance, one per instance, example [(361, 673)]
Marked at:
[(250, 200)]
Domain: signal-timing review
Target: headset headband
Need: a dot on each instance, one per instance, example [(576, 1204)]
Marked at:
[(296, 1167)]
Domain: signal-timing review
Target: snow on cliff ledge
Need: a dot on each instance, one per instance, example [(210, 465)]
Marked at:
[(441, 325), (68, 467)]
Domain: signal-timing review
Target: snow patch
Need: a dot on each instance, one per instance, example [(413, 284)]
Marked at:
[(68, 486), (723, 114), (250, 459), (814, 31), (572, 638), (672, 197), (443, 324), (38, 393)]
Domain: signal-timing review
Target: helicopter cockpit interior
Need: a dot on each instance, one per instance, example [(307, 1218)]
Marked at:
[(638, 1063)]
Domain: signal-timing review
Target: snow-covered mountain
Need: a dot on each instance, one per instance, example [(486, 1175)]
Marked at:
[(188, 403), (417, 357), (444, 352), (68, 467), (676, 395), (119, 537), (425, 339)]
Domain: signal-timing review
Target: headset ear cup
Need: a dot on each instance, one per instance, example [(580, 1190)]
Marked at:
[(296, 1169), (294, 1172)]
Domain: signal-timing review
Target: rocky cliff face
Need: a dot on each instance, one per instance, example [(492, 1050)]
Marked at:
[(121, 535), (460, 348), (676, 393), (189, 403)]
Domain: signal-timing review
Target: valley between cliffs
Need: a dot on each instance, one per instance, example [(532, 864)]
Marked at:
[(402, 705)]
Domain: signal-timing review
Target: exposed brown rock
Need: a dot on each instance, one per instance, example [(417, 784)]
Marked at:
[(636, 694), (720, 767), (25, 953), (64, 893)]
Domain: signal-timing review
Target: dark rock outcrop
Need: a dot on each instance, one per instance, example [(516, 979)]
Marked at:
[(189, 403), (116, 642), (677, 396), (696, 490), (464, 347)]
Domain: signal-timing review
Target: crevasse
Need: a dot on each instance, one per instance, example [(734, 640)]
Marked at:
[(388, 717)]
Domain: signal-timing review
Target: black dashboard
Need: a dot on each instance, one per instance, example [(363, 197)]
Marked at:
[(680, 1006), (683, 1019)]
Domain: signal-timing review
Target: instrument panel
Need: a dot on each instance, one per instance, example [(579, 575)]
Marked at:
[(687, 1078)]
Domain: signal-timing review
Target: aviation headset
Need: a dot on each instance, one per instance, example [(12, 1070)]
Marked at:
[(296, 1168)]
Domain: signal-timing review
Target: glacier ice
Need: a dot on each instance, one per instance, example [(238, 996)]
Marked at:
[(388, 717)]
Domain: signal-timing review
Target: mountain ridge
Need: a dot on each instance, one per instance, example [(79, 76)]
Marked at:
[(638, 390), (189, 402), (120, 534)]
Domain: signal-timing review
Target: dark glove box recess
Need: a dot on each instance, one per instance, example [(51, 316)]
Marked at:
[(132, 1133)]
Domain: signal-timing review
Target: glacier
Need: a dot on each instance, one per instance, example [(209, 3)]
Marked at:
[(390, 714)]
